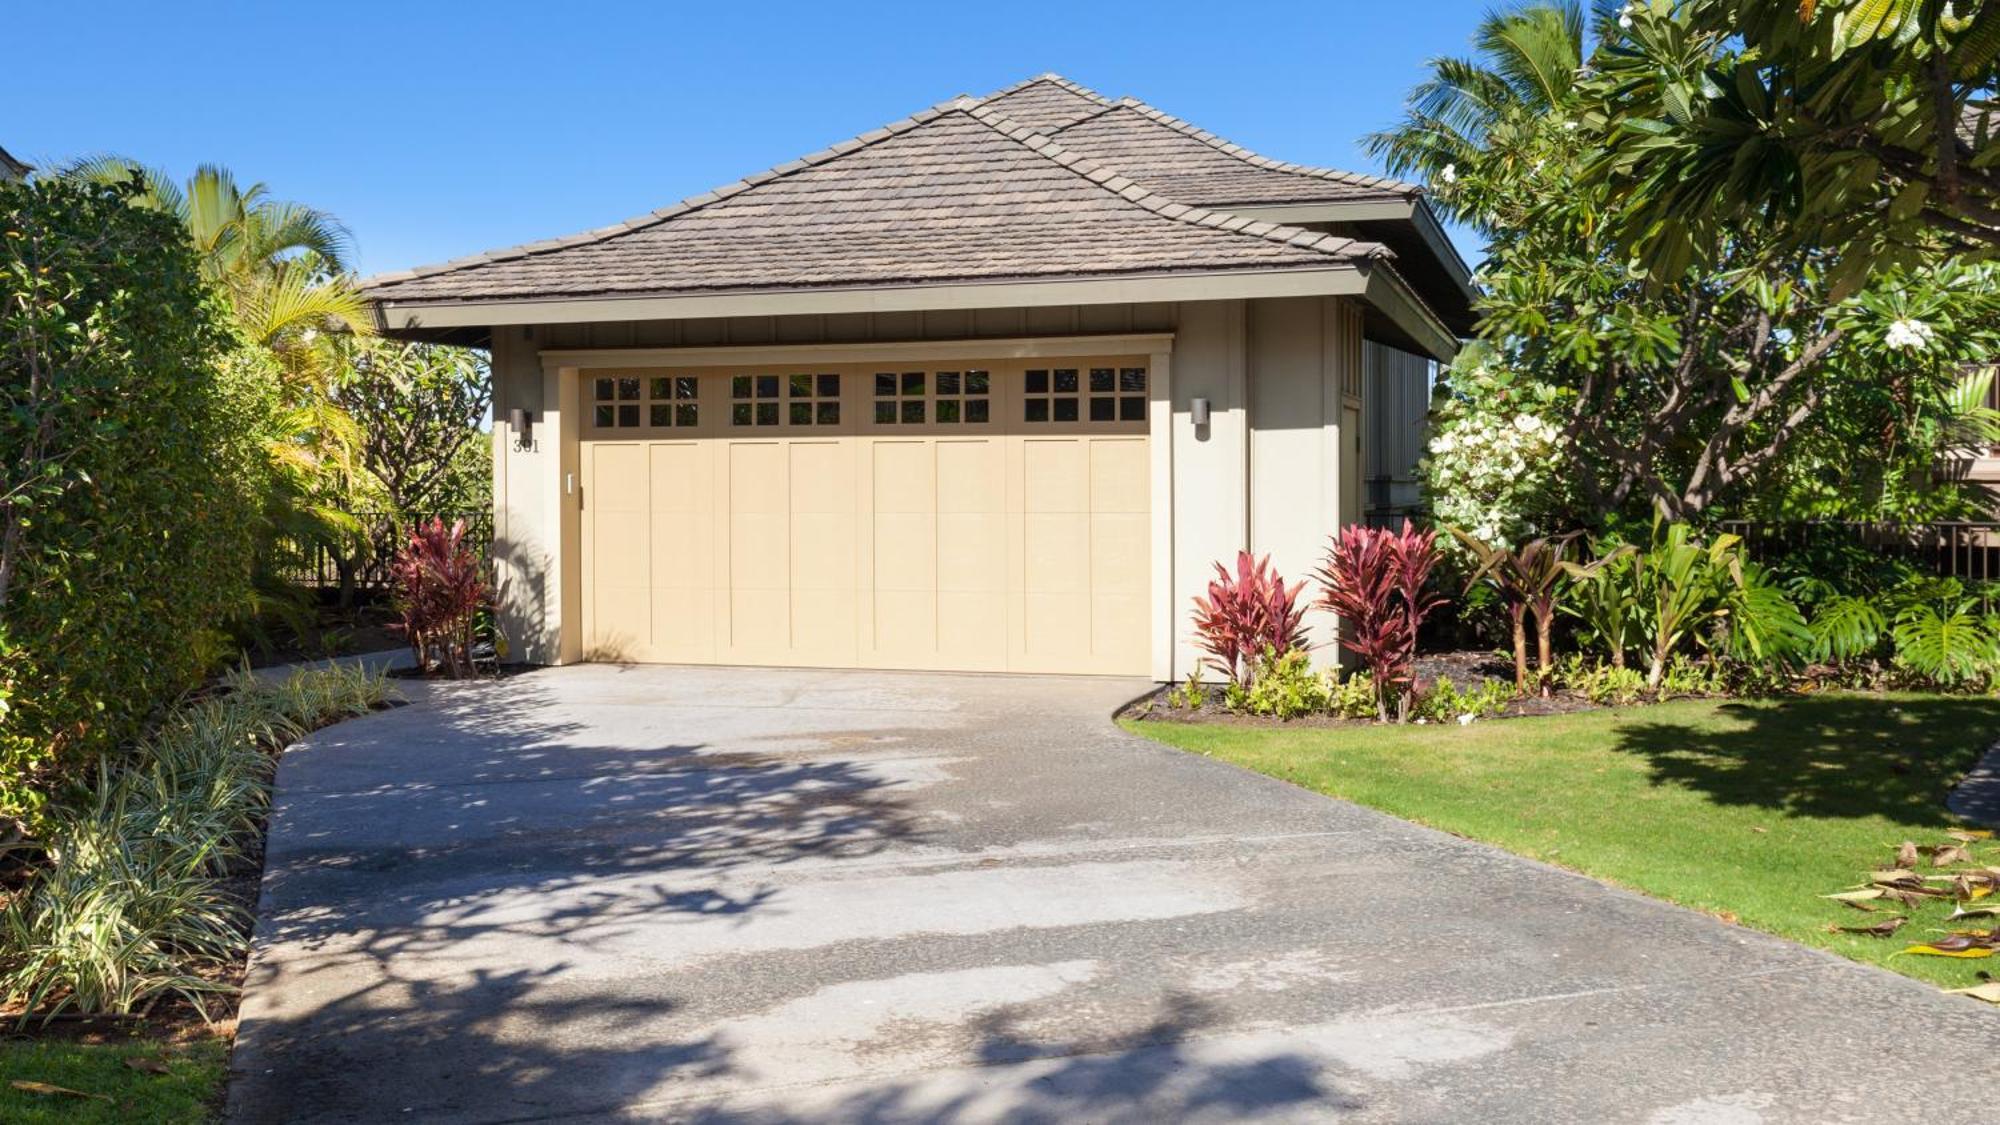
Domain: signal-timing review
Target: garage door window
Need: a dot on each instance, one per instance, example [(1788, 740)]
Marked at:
[(803, 399), (1069, 394), (956, 397), (626, 402)]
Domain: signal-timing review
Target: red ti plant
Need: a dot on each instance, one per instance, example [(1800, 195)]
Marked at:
[(440, 591), (1374, 579), (1245, 613), (1528, 580)]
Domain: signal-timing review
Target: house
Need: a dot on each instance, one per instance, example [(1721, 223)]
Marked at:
[(987, 388), (12, 169)]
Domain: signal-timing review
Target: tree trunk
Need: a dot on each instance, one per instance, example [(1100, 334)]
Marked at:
[(1520, 613), (1544, 650)]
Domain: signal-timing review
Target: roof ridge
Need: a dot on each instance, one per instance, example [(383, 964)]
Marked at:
[(691, 203), (1190, 129), (1111, 179), (1053, 79)]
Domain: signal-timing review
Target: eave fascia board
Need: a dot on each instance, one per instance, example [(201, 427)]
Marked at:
[(741, 355), (1388, 292), (1418, 212), (1432, 230), (1296, 213), (1344, 279)]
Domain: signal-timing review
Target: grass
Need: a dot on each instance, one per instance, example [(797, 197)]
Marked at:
[(190, 1091), (1748, 810)]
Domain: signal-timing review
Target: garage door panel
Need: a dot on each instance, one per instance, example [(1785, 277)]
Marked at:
[(1056, 553), (972, 553), (1120, 475), (1056, 629), (1119, 548), (1008, 545), (906, 626), (620, 625), (1054, 475), (971, 477), (905, 477), (822, 625), (972, 629)]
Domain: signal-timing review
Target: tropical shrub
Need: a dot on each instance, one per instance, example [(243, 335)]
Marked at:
[(126, 903), (1603, 684), (1375, 580), (1708, 595), (440, 593), (1942, 636), (1285, 686), (1245, 613), (130, 483), (1444, 701), (1604, 598), (1494, 462), (1528, 581), (1352, 696)]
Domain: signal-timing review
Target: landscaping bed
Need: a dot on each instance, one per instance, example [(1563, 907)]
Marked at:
[(1468, 669), (1750, 810), (128, 928)]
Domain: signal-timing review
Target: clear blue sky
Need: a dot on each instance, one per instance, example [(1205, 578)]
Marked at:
[(436, 130)]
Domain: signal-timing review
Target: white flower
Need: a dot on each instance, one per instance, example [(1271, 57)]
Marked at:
[(1449, 174), (1909, 335), (309, 335), (1527, 423)]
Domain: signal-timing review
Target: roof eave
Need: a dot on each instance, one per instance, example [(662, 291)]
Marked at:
[(1349, 278)]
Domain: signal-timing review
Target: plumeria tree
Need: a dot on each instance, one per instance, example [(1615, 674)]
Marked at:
[(1677, 388)]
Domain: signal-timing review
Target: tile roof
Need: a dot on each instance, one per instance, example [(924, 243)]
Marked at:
[(1047, 102), (1177, 159), (1042, 180)]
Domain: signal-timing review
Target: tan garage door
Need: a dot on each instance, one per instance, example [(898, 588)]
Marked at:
[(974, 516)]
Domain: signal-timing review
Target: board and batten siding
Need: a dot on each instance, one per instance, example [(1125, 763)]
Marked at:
[(1399, 392), (1277, 469)]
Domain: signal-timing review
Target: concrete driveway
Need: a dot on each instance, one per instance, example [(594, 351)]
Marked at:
[(610, 893)]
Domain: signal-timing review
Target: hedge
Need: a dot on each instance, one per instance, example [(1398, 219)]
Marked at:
[(129, 499)]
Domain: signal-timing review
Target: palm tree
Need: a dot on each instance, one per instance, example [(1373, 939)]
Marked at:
[(283, 265), (1526, 64)]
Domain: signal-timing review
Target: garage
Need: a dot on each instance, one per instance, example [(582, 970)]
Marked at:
[(978, 514)]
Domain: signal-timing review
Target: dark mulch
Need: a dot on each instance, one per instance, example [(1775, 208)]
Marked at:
[(333, 631), (1467, 668), (483, 671)]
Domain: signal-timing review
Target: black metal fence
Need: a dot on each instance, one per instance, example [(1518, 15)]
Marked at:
[(362, 565), (1966, 549)]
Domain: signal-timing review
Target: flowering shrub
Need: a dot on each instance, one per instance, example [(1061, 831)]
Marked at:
[(1375, 580), (1244, 614), (1494, 462), (440, 592)]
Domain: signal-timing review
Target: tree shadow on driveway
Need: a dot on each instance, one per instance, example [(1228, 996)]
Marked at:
[(1842, 756)]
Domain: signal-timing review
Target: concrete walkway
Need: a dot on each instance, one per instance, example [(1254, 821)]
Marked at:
[(631, 894)]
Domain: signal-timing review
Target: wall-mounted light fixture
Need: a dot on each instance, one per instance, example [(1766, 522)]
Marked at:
[(522, 428), (1198, 411)]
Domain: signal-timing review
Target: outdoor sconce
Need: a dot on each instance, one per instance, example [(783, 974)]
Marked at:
[(523, 429), (1198, 411)]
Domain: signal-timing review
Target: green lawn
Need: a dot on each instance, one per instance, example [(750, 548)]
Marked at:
[(190, 1091), (1747, 810)]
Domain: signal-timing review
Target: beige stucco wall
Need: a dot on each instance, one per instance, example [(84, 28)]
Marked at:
[(1275, 469)]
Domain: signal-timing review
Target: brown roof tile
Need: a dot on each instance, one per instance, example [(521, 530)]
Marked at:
[(1180, 160), (1046, 102), (960, 192)]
